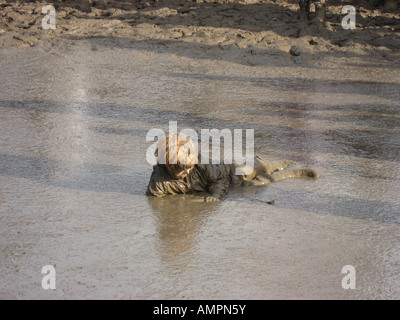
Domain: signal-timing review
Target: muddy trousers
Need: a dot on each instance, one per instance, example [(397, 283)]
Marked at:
[(276, 170)]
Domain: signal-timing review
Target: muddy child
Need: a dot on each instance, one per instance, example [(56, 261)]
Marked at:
[(178, 171)]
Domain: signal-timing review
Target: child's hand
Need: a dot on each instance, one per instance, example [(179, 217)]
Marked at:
[(210, 199)]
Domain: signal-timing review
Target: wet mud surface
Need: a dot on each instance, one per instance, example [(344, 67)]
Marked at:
[(74, 114)]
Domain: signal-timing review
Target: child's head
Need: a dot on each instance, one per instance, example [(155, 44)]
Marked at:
[(177, 153)]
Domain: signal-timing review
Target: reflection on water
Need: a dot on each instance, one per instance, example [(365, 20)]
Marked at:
[(73, 177), (179, 221)]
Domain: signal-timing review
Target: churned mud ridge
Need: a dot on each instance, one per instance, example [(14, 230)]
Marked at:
[(266, 27)]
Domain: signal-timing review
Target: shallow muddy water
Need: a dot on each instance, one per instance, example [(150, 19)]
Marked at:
[(73, 172)]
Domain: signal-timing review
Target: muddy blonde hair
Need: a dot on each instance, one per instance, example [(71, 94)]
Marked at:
[(176, 150)]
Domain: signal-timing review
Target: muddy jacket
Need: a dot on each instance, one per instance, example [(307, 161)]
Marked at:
[(213, 178)]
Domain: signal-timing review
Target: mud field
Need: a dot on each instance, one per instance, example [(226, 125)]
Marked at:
[(77, 102)]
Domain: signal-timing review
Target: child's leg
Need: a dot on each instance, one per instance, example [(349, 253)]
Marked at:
[(259, 166), (264, 168), (260, 179), (294, 173), (273, 166), (265, 172)]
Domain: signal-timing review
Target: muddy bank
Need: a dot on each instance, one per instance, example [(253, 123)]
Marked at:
[(256, 29)]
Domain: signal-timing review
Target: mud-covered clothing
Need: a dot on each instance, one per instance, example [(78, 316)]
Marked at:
[(213, 178), (218, 178)]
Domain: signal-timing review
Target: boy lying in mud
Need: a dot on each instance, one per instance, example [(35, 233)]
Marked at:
[(178, 171)]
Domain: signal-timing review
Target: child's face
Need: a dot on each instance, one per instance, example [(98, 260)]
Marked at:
[(178, 173)]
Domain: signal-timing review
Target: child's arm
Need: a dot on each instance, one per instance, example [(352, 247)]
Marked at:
[(217, 190), (218, 182), (160, 184), (163, 188), (156, 189)]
